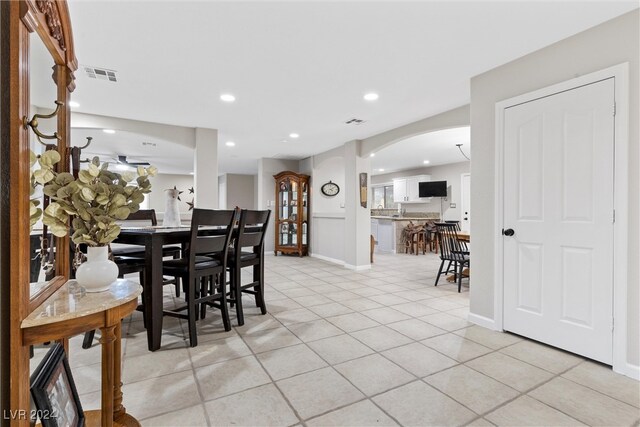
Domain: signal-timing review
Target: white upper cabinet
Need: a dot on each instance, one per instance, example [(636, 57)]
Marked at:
[(400, 190), (405, 190)]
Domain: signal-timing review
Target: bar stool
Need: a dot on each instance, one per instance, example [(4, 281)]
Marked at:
[(419, 241)]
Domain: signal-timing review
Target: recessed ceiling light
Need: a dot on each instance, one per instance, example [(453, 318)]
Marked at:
[(380, 170), (230, 144), (372, 155), (227, 97), (426, 162), (371, 96), (294, 135), (73, 104), (111, 131)]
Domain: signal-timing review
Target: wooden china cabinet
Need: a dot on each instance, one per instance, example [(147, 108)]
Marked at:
[(292, 213)]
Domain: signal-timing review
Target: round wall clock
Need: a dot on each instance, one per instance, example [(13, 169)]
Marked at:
[(330, 189)]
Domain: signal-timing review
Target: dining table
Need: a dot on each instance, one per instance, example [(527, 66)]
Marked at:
[(464, 236), (153, 238)]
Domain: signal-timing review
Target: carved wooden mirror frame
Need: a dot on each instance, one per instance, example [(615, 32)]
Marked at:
[(50, 20)]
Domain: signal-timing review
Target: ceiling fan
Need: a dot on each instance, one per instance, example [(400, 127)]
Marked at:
[(123, 161)]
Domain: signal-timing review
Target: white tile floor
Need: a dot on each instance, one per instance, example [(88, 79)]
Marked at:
[(381, 347)]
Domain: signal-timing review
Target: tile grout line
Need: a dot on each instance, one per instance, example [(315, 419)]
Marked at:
[(526, 393), (286, 399), (313, 288)]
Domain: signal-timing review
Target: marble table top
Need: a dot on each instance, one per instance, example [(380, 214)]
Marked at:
[(72, 301)]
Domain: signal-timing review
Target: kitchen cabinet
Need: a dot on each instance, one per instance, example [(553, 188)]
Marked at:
[(374, 228), (405, 190), (386, 236)]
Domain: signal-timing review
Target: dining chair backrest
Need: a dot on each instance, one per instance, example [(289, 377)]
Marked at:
[(210, 233), (457, 223), (144, 215), (252, 229), (451, 247)]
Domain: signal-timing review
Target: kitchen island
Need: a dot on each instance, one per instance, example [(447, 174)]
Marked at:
[(387, 230)]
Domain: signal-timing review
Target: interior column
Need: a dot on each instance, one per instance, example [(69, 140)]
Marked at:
[(357, 218), (205, 164)]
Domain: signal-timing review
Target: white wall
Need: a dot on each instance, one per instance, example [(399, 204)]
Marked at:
[(205, 167), (236, 190), (178, 134), (327, 237), (450, 173), (613, 42), (449, 119), (222, 191), (327, 213), (328, 167)]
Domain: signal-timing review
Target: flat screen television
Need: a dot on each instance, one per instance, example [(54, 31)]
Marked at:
[(432, 189)]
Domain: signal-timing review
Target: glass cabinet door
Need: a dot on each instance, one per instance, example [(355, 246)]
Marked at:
[(292, 204), (305, 209), (284, 198)]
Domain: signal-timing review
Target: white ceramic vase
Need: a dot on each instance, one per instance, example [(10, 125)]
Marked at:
[(98, 272), (171, 216)]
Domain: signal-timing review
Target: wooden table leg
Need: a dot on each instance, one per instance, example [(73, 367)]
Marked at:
[(107, 340), (118, 409), (153, 294), (120, 415)]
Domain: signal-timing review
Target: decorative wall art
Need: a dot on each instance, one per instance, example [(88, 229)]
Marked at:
[(363, 189)]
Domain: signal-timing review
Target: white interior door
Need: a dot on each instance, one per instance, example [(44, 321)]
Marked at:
[(465, 202), (558, 200)]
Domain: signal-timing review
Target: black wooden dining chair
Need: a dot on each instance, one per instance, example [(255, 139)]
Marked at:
[(452, 250), (148, 217), (463, 245), (203, 268), (126, 252), (248, 251), (453, 221)]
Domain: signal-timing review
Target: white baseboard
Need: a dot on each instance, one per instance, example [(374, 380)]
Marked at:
[(328, 259), (629, 370), (342, 263), (358, 267), (485, 322)]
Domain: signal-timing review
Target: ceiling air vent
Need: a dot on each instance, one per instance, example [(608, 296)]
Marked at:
[(100, 73), (152, 144), (354, 121)]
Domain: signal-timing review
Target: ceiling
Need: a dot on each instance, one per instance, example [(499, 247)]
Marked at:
[(303, 66), (167, 156), (438, 148)]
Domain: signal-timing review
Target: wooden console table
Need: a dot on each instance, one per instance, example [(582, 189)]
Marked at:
[(70, 311)]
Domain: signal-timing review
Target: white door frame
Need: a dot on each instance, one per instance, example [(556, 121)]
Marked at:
[(621, 182), (462, 196)]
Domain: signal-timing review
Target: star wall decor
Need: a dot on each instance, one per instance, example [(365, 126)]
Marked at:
[(190, 204), (191, 190), (179, 192)]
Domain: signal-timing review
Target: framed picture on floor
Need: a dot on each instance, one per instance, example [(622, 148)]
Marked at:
[(54, 392)]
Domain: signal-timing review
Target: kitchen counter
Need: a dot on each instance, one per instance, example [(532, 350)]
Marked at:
[(387, 231), (404, 218)]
